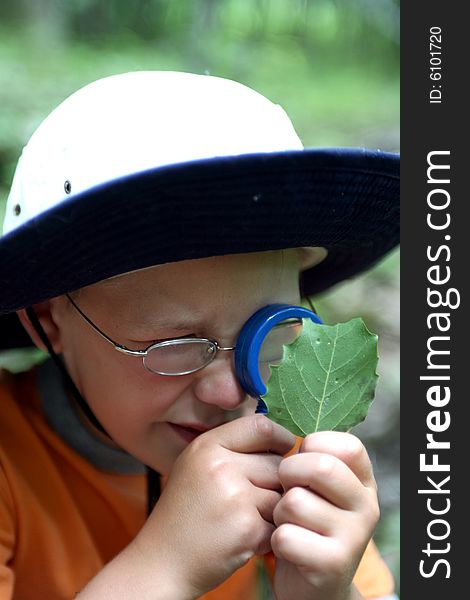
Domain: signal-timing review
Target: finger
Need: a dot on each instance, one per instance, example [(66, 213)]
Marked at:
[(306, 549), (266, 502), (327, 476), (262, 470), (302, 507), (255, 531), (263, 542), (255, 433), (345, 446)]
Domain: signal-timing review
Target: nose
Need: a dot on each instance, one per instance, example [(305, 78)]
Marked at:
[(218, 384)]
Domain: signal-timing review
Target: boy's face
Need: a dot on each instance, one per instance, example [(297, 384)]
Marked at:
[(154, 417)]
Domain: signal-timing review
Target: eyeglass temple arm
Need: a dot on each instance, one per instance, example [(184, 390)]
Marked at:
[(118, 347)]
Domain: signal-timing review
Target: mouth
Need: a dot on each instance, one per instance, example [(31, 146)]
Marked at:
[(189, 432)]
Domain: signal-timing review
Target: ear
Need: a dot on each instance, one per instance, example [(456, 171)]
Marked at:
[(310, 257), (45, 313)]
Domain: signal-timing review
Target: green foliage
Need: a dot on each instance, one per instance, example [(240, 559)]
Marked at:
[(326, 380), (16, 361)]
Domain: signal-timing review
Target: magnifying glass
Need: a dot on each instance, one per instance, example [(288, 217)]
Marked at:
[(261, 343)]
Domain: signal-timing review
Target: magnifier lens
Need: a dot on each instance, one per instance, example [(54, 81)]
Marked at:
[(271, 350)]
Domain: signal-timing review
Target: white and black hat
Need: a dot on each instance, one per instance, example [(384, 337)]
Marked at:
[(146, 168)]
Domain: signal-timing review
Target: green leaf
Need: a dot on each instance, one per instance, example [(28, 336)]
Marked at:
[(326, 380)]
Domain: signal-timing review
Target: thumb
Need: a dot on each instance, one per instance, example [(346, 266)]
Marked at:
[(254, 433)]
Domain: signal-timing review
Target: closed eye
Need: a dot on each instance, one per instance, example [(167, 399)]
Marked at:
[(147, 343)]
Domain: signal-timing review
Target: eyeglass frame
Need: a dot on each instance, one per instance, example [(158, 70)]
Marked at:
[(157, 344)]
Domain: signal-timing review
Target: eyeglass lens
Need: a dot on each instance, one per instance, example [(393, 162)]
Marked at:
[(186, 356), (179, 357)]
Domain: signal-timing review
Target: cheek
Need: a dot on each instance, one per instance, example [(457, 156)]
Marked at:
[(124, 396), (133, 406)]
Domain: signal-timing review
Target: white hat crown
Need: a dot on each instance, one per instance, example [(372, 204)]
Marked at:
[(133, 122)]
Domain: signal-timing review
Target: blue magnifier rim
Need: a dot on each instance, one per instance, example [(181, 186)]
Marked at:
[(252, 336)]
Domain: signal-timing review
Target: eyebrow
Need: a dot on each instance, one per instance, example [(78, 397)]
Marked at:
[(181, 326)]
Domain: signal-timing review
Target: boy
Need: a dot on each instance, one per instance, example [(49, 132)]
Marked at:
[(151, 214)]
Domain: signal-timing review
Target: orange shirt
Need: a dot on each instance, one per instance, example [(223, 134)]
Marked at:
[(62, 518)]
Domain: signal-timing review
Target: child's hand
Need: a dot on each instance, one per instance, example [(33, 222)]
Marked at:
[(325, 518), (216, 510)]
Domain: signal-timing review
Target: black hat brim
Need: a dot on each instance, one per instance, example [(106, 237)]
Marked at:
[(346, 200)]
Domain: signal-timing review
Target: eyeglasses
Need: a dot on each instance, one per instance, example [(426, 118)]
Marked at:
[(186, 355)]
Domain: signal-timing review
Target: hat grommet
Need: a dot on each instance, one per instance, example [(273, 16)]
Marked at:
[(67, 187), (17, 210)]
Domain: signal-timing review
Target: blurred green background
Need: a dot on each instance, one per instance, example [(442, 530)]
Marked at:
[(332, 64)]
